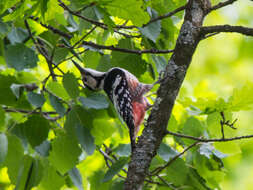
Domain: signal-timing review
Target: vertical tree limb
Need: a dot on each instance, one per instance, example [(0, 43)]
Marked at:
[(175, 71)]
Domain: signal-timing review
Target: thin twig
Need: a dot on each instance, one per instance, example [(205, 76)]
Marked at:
[(169, 14), (159, 169), (113, 48), (85, 7), (166, 15), (107, 157), (99, 24), (39, 46), (166, 183), (15, 110), (82, 38), (53, 29), (208, 140), (220, 5)]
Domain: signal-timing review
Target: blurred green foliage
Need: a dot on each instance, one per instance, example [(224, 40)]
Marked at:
[(56, 136)]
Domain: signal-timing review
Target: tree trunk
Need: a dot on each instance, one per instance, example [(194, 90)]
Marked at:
[(175, 71)]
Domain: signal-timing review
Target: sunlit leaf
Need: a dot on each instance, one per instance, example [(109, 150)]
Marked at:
[(57, 89), (71, 85), (127, 10), (14, 157), (64, 153), (51, 180)]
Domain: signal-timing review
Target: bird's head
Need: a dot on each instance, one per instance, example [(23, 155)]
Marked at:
[(92, 79)]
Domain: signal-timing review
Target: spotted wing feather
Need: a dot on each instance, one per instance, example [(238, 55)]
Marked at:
[(122, 100)]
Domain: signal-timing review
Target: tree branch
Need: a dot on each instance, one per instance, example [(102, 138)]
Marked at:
[(166, 15), (152, 51), (6, 109), (152, 135), (169, 14), (208, 140), (226, 28), (220, 5), (94, 22)]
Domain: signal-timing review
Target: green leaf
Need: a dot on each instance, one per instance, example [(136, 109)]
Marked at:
[(230, 148), (95, 101), (2, 118), (36, 130), (102, 129), (85, 139), (127, 10), (192, 127), (71, 85), (20, 57), (57, 89), (3, 147), (36, 172), (14, 157), (17, 89), (60, 54), (115, 168), (123, 150), (6, 96), (76, 178), (4, 28), (17, 35), (166, 152), (43, 148), (131, 62), (96, 181), (91, 59), (37, 100), (241, 98), (43, 7), (152, 30), (57, 105), (104, 63), (51, 180), (23, 173), (64, 153), (206, 150), (160, 62), (172, 125), (177, 172), (30, 173)]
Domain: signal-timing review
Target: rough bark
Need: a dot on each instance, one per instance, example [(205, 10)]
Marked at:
[(175, 71)]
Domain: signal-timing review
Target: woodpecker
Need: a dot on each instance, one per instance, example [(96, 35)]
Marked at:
[(125, 92)]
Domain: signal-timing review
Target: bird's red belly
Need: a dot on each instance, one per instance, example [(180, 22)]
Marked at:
[(139, 110)]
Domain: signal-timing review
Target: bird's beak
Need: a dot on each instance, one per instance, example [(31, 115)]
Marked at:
[(82, 70)]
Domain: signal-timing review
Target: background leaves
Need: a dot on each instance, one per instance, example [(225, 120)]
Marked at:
[(52, 135)]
